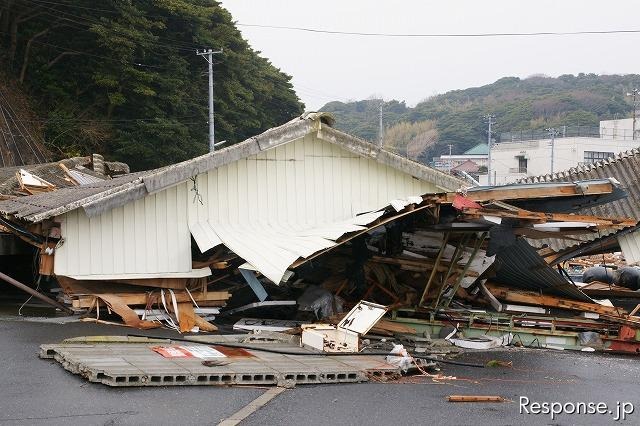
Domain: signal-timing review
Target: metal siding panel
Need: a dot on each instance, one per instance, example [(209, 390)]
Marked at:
[(301, 193), (293, 207), (362, 167), (630, 245), (280, 188), (328, 176), (119, 239), (72, 236), (151, 244), (171, 231), (244, 211), (129, 248), (84, 243), (212, 194), (346, 189), (232, 191), (183, 242), (272, 183), (95, 241), (107, 241), (160, 231), (61, 259), (202, 208), (223, 201), (140, 233), (338, 182), (253, 205), (262, 192), (317, 182), (309, 178)]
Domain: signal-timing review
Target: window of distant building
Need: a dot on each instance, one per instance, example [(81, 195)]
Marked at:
[(522, 165), (591, 157)]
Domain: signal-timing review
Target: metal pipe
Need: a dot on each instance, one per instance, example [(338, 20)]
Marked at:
[(35, 293)]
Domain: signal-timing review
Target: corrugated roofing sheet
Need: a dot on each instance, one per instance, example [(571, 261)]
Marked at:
[(83, 178), (519, 265), (624, 167)]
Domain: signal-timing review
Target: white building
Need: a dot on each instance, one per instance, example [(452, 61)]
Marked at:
[(478, 155), (538, 155), (272, 199)]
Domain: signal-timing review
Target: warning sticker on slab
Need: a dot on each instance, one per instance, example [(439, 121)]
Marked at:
[(203, 352)]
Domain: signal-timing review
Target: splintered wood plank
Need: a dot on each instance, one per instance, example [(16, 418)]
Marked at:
[(186, 317), (516, 193), (175, 283), (511, 295), (476, 398), (217, 298), (127, 314)]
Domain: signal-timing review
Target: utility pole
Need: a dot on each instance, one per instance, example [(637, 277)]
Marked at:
[(381, 130), (634, 93), (490, 120), (553, 133), (450, 163), (208, 56)]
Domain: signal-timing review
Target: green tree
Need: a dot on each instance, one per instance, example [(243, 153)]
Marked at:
[(121, 77)]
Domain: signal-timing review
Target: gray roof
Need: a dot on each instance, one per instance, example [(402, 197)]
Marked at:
[(53, 173), (99, 197), (625, 168)]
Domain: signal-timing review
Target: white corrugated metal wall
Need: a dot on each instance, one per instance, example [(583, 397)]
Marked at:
[(298, 185), (145, 237), (630, 246), (301, 184)]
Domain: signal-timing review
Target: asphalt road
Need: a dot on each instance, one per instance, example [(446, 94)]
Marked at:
[(40, 392)]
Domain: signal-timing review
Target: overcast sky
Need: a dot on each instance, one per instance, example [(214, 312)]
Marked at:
[(329, 67)]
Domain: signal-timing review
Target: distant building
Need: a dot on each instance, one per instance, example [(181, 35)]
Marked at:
[(477, 155), (528, 153)]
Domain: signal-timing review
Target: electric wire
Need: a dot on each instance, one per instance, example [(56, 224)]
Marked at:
[(441, 35)]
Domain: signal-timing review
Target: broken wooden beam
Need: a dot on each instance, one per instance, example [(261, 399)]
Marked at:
[(476, 398), (530, 298), (87, 301)]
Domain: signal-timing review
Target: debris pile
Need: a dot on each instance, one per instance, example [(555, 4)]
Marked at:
[(285, 232)]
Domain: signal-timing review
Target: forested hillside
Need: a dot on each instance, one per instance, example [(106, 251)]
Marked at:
[(121, 77), (455, 117)]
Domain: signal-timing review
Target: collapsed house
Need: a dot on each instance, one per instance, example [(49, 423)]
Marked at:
[(306, 206), (624, 168), (301, 185), (25, 180)]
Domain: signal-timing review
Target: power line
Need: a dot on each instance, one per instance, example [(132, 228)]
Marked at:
[(88, 21), (441, 35), (90, 54)]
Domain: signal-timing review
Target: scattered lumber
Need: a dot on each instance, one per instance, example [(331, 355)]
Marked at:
[(217, 297), (530, 298), (476, 398), (175, 283), (599, 289), (127, 314), (33, 184)]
